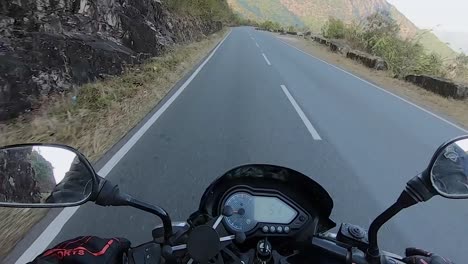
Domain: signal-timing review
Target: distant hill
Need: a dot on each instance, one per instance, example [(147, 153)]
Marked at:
[(457, 40), (314, 13), (432, 43), (272, 10)]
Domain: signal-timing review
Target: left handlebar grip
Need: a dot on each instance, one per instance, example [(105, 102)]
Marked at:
[(149, 253)]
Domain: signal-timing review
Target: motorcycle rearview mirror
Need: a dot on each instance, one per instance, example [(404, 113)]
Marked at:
[(446, 175), (45, 176), (53, 175), (449, 170)]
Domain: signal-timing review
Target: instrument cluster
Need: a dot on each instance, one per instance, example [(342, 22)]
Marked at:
[(262, 211)]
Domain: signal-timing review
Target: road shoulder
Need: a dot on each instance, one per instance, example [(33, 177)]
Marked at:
[(447, 108)]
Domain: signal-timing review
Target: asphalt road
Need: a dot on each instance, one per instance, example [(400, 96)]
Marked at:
[(258, 100)]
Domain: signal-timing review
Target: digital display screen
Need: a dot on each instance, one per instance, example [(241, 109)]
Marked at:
[(272, 210)]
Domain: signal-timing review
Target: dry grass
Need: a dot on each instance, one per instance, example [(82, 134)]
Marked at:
[(11, 217), (455, 109), (102, 113), (118, 103)]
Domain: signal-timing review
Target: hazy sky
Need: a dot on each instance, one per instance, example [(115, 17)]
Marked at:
[(60, 159), (452, 15)]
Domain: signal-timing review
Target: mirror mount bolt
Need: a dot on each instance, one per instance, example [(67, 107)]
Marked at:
[(109, 194), (420, 187)]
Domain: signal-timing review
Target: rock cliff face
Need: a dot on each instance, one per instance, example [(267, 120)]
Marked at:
[(17, 177), (48, 46)]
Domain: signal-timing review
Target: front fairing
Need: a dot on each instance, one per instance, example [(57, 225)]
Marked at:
[(297, 186)]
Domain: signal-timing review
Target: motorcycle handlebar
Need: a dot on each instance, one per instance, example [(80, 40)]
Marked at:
[(151, 252), (333, 249)]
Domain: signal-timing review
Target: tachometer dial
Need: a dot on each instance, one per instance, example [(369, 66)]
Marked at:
[(242, 219)]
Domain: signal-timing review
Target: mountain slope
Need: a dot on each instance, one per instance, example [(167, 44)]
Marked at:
[(266, 10), (457, 40), (314, 13), (432, 43)]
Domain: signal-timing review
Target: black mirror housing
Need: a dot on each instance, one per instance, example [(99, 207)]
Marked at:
[(45, 176), (420, 187), (448, 170), (424, 186)]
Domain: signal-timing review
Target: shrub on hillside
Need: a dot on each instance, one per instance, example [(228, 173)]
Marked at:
[(458, 68), (378, 34), (334, 28), (271, 26), (291, 29), (406, 57), (245, 22), (217, 10)]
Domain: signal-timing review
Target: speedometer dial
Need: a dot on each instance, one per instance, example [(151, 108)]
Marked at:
[(250, 210), (242, 205)]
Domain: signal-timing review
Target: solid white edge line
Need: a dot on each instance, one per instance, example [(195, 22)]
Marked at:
[(54, 228), (266, 59), (382, 89), (315, 135)]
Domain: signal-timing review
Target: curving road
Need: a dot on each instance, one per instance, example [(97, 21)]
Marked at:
[(259, 100)]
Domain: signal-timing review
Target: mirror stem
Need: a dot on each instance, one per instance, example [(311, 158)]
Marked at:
[(405, 200), (156, 210), (109, 195)]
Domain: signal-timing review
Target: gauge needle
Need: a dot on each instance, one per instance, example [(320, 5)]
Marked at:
[(218, 221), (241, 211)]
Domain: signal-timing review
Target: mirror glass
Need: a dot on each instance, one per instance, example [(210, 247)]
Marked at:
[(449, 174), (46, 175)]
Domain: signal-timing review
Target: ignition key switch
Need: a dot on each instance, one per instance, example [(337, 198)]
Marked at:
[(353, 235)]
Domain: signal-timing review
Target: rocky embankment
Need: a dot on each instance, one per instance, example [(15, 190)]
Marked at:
[(50, 46), (441, 86)]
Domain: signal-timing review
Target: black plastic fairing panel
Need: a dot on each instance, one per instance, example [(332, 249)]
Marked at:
[(307, 193)]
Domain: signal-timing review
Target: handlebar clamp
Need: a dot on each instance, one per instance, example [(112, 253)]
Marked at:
[(146, 253)]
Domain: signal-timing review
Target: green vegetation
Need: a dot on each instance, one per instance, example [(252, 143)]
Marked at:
[(334, 28), (431, 43), (240, 21), (379, 36), (291, 29), (83, 119), (458, 68), (264, 10), (276, 27), (314, 14), (271, 26), (217, 10), (44, 171)]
